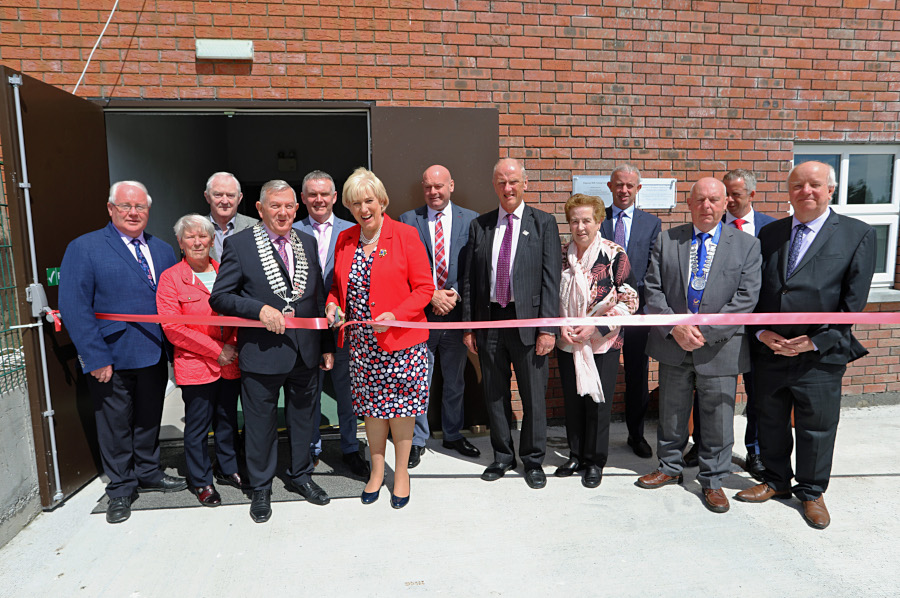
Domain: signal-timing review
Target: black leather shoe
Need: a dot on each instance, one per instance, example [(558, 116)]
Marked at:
[(496, 470), (568, 468), (311, 491), (535, 478), (119, 509), (168, 483), (260, 506), (691, 458), (640, 447), (398, 502), (463, 447), (593, 475), (234, 480), (207, 495), (358, 466), (754, 466), (415, 456)]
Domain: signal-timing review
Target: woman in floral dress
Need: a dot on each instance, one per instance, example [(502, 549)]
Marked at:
[(381, 272)]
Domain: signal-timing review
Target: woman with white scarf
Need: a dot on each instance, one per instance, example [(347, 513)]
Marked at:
[(596, 281)]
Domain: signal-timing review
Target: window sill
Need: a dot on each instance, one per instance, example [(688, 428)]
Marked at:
[(882, 295)]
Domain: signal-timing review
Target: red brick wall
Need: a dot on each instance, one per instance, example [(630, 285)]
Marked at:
[(686, 90)]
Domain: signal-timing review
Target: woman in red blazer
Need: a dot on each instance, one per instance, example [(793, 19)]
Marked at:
[(206, 366), (381, 272)]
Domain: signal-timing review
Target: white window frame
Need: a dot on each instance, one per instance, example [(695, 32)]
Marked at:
[(874, 214)]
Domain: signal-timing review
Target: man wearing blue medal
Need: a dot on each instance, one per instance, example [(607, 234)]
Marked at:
[(702, 267)]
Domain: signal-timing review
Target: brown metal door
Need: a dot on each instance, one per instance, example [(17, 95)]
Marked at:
[(65, 143), (406, 141)]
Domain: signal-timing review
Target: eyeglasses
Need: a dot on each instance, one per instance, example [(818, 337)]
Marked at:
[(127, 207)]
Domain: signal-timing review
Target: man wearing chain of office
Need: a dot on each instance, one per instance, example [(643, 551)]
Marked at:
[(271, 272)]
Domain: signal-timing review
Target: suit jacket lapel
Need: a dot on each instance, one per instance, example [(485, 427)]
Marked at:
[(526, 231), (119, 248), (684, 259), (828, 228), (424, 233), (725, 239)]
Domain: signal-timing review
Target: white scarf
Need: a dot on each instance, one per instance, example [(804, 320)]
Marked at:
[(575, 295)]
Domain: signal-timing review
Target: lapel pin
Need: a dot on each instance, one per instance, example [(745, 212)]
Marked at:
[(382, 253), (525, 232)]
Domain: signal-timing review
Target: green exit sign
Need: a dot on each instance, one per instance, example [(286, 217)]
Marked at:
[(52, 277)]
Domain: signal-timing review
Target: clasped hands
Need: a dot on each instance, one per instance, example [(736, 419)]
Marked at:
[(786, 347), (576, 335)]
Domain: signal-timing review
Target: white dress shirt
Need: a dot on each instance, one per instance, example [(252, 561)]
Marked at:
[(145, 249), (498, 241)]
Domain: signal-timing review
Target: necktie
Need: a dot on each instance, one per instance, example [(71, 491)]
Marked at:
[(321, 229), (440, 257), (739, 223), (694, 296), (794, 255), (143, 262), (502, 284), (281, 242), (620, 230)]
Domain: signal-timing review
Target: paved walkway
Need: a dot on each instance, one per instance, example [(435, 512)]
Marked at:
[(461, 537)]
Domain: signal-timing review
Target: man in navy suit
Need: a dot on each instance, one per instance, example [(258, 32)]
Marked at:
[(512, 271), (318, 194), (115, 270), (814, 261), (444, 229), (636, 231), (271, 272)]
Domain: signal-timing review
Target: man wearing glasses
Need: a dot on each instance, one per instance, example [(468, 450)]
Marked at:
[(223, 194), (115, 270)]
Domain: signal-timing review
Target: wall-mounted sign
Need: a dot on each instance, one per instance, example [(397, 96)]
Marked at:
[(655, 194)]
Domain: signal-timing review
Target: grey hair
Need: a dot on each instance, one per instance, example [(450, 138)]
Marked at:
[(275, 186), (317, 175), (192, 221), (115, 188), (517, 163), (739, 173), (626, 168), (209, 181), (832, 176)]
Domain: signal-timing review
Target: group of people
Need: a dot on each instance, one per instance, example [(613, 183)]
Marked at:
[(444, 263)]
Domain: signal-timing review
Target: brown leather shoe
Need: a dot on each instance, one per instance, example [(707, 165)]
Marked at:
[(760, 493), (658, 479), (815, 513), (715, 500)]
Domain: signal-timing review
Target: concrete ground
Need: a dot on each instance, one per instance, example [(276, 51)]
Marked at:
[(460, 536)]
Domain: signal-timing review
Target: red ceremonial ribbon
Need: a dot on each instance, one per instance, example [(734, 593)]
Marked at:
[(872, 318)]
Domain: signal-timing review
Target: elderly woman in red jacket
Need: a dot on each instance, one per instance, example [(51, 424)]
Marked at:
[(381, 272), (206, 366)]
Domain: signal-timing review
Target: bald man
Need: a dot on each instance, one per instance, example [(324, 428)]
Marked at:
[(701, 267), (444, 229)]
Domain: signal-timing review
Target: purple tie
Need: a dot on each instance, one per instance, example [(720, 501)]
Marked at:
[(620, 230), (281, 242), (794, 254), (502, 284), (321, 227)]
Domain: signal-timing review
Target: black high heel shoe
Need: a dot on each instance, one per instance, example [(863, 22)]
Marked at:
[(398, 502), (368, 498)]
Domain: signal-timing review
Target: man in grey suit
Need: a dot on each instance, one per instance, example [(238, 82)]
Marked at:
[(319, 196), (513, 267), (814, 261), (703, 267), (444, 229), (223, 194), (636, 231)]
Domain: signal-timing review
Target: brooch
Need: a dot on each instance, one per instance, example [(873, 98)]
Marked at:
[(382, 253)]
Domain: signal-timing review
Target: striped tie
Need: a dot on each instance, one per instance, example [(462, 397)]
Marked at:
[(440, 255)]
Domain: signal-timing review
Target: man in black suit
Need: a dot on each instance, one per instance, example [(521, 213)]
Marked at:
[(815, 261), (636, 231), (513, 268), (444, 229), (269, 272)]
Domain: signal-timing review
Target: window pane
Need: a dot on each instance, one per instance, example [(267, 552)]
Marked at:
[(833, 159), (881, 245), (869, 179)]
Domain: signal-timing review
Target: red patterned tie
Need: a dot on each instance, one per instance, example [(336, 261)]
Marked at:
[(440, 255), (739, 223)]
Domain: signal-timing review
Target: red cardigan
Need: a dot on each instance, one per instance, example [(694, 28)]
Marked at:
[(400, 282), (197, 347)]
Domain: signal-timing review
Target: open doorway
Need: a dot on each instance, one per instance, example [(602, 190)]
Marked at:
[(174, 152)]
